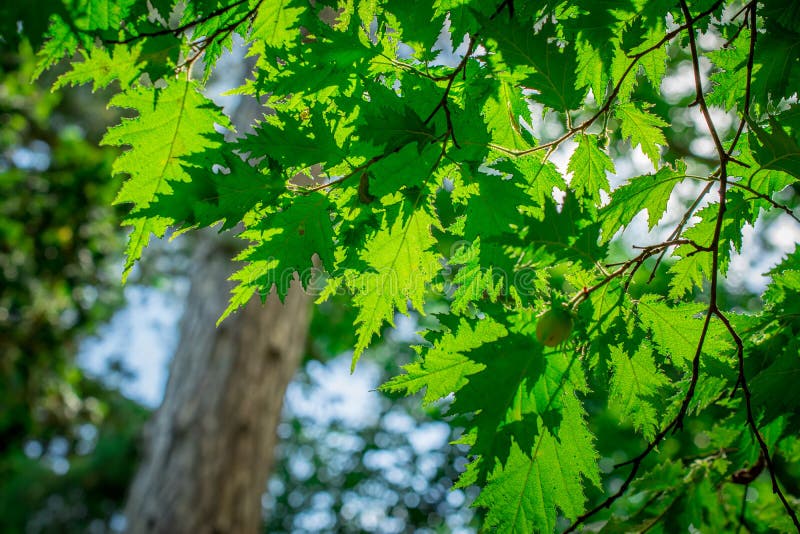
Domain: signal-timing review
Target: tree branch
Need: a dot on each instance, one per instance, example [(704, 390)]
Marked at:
[(614, 92), (180, 29)]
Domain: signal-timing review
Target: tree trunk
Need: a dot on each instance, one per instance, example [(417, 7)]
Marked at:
[(209, 447)]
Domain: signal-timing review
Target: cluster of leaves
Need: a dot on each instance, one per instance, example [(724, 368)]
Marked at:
[(405, 178)]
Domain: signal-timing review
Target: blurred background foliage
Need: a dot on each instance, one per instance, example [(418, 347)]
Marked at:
[(67, 446)]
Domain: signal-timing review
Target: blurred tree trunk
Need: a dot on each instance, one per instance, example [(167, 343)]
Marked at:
[(209, 447)]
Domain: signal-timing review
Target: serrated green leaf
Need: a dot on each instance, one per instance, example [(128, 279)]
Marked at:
[(588, 165), (776, 149), (536, 61), (502, 113), (472, 280), (61, 41), (676, 330), (102, 68), (524, 494), (285, 244), (688, 273), (275, 24), (391, 123), (172, 124), (731, 78), (400, 263), (635, 381), (444, 368), (590, 72), (623, 74), (778, 60), (650, 192), (655, 64), (643, 129)]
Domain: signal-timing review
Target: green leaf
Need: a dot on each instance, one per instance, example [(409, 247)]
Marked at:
[(590, 72), (655, 63), (538, 179), (643, 129), (636, 380), (568, 234), (406, 169), (275, 24), (731, 80), (399, 263), (502, 114), (285, 244), (524, 494), (624, 75), (172, 124), (775, 150), (489, 220), (102, 68), (650, 192), (61, 41), (588, 165), (676, 330), (105, 14), (444, 368), (392, 123), (687, 273), (777, 60), (536, 61), (769, 386), (474, 281)]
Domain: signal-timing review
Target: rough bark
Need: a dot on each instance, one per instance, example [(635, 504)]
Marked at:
[(209, 447)]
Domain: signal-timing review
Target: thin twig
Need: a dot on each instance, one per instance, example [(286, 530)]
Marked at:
[(751, 420), (647, 251), (180, 29), (614, 92), (757, 194), (742, 511)]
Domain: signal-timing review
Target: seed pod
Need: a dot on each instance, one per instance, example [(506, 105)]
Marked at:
[(553, 327)]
